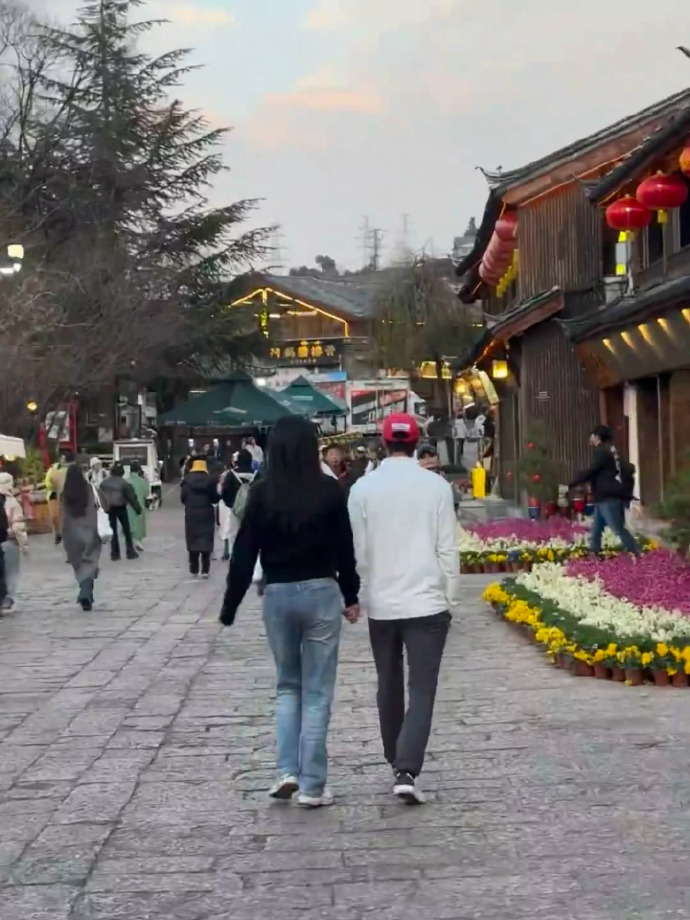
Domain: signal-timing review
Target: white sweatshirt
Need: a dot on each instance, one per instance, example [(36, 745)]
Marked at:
[(404, 526)]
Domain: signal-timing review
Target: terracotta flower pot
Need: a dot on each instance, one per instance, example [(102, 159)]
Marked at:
[(601, 671), (680, 679), (617, 674), (634, 676), (582, 669), (661, 678)]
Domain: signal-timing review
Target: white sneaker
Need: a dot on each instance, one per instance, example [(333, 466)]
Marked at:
[(406, 787), (284, 788), (316, 801)]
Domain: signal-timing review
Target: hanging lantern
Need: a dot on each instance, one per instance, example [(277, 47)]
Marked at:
[(499, 370), (627, 215), (661, 192), (684, 161), (507, 227)]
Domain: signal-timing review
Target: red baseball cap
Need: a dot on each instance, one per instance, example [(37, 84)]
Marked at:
[(400, 428)]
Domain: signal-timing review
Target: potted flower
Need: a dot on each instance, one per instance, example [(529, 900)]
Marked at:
[(601, 668), (630, 659), (583, 663), (661, 664)]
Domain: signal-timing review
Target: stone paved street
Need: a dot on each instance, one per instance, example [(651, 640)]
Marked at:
[(136, 748)]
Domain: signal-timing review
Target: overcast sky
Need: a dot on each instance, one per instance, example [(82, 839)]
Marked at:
[(343, 109)]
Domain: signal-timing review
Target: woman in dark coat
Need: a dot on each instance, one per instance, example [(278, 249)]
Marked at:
[(199, 495), (80, 533)]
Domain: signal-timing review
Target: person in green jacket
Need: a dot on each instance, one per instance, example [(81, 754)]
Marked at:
[(137, 522)]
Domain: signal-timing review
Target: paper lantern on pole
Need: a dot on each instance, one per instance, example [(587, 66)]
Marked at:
[(507, 226), (499, 369), (684, 161), (627, 215), (662, 192)]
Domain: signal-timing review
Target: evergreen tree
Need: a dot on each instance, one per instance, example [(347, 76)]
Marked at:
[(133, 179)]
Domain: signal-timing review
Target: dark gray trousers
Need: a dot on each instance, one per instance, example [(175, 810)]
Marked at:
[(405, 734)]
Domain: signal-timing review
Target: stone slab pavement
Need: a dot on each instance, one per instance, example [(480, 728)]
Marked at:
[(136, 748)]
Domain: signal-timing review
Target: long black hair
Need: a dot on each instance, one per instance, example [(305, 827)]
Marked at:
[(294, 486), (76, 494)]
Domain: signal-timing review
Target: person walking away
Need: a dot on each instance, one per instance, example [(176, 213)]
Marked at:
[(80, 533), (359, 465), (54, 484), (199, 495), (612, 481), (234, 494), (96, 473), (256, 452), (137, 522), (118, 496), (296, 519), (404, 528), (16, 542), (4, 527)]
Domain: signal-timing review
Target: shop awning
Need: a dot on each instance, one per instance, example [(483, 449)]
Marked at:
[(11, 447), (235, 402), (308, 398)]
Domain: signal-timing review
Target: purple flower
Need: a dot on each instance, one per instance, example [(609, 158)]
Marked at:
[(529, 531), (656, 579)]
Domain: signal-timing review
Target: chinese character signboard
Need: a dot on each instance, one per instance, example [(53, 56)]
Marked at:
[(307, 352)]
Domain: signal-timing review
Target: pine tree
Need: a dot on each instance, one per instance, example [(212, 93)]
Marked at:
[(133, 180)]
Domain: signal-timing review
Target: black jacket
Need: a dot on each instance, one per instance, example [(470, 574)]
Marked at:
[(604, 476), (322, 548), (116, 492), (198, 495)]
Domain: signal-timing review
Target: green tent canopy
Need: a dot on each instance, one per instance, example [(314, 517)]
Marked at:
[(235, 402), (310, 400)]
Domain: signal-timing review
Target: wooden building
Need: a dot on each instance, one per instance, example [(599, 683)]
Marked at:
[(564, 269), (637, 348)]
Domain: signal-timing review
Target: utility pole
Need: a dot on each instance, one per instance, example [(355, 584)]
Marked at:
[(365, 241), (376, 240)]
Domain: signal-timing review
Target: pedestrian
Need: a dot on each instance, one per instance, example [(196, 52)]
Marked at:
[(80, 533), (199, 495), (404, 528), (118, 496), (137, 522), (359, 465), (16, 541), (297, 520), (54, 484), (96, 473), (235, 493), (256, 452), (4, 526), (612, 481)]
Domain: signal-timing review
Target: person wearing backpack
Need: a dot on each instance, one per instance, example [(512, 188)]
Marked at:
[(234, 493), (612, 481)]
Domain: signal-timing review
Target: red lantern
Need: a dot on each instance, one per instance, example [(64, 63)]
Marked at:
[(684, 161), (536, 478), (507, 226), (627, 215), (530, 445), (489, 276), (661, 192), (509, 475)]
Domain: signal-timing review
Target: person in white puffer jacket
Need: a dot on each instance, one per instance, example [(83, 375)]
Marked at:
[(17, 539)]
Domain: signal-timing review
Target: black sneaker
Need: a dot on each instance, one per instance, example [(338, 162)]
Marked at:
[(132, 554), (407, 788)]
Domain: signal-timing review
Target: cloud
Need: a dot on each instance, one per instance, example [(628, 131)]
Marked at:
[(193, 16), (328, 16)]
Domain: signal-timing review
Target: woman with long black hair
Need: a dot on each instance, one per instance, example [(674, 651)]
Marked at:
[(296, 518), (80, 533)]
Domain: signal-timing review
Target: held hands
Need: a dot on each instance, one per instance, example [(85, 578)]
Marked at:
[(353, 613)]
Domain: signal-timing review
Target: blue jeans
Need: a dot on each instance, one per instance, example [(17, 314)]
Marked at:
[(303, 622), (611, 514)]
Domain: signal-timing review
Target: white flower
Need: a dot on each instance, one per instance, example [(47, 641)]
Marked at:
[(590, 603)]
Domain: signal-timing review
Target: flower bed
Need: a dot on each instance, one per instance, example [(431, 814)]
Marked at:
[(584, 626), (516, 545)]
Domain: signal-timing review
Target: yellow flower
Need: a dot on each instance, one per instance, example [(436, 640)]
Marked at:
[(662, 649), (646, 659)]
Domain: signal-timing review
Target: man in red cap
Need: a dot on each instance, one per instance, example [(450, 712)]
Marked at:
[(404, 527)]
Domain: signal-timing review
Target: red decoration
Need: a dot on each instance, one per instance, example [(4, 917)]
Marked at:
[(684, 161), (627, 214), (579, 505), (661, 192), (488, 275), (509, 475), (536, 478), (530, 446), (507, 227)]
